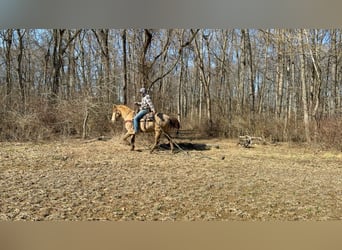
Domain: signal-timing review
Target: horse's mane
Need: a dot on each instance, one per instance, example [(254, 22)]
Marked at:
[(125, 111), (124, 108)]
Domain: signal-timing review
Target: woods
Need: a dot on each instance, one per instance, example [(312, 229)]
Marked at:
[(279, 84)]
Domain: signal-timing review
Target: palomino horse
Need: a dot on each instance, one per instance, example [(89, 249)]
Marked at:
[(161, 123)]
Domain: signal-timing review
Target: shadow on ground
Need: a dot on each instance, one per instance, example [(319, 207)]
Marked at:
[(186, 146)]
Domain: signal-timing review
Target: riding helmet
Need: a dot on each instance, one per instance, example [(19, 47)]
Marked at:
[(142, 90)]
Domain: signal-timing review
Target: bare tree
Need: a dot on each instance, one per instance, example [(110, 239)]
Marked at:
[(71, 70), (60, 45), (205, 72), (102, 37), (281, 83), (303, 84), (251, 93), (241, 53), (280, 72), (144, 64), (20, 69), (125, 73), (8, 38)]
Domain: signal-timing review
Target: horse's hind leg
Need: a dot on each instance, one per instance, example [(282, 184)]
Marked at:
[(156, 140), (170, 141), (171, 145)]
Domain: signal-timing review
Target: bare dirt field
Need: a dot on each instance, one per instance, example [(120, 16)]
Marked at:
[(218, 180)]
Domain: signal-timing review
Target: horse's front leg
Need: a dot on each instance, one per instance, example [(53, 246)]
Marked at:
[(131, 143)]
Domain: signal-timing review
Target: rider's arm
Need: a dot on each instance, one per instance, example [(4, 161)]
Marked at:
[(150, 104)]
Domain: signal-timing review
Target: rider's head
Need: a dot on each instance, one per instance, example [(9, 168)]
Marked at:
[(142, 91)]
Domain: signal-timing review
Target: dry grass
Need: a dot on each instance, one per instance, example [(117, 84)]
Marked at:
[(102, 180)]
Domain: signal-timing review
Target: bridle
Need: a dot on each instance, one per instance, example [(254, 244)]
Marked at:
[(118, 114)]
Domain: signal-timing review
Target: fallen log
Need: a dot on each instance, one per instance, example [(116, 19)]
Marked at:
[(247, 141)]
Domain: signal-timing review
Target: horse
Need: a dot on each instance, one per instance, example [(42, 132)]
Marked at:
[(161, 124)]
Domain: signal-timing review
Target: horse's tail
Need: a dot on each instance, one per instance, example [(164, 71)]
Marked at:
[(174, 123)]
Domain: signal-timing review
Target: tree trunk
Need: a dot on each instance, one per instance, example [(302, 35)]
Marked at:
[(8, 57), (71, 71), (280, 74), (59, 48), (144, 71), (304, 95), (241, 54), (57, 62), (20, 69), (261, 92), (334, 75), (252, 75), (205, 75), (124, 45), (317, 84)]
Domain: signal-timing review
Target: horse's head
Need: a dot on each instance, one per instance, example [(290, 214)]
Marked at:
[(116, 113)]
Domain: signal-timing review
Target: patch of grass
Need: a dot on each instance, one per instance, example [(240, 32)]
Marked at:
[(227, 182)]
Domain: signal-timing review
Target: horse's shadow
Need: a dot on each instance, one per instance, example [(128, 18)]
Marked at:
[(185, 146)]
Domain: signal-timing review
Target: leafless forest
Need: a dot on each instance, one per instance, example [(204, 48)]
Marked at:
[(279, 84), (57, 87)]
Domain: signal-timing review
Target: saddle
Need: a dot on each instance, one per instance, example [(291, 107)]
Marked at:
[(149, 117)]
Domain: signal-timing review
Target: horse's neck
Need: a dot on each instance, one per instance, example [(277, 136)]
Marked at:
[(127, 113)]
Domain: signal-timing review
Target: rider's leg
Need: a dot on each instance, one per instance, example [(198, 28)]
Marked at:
[(137, 118)]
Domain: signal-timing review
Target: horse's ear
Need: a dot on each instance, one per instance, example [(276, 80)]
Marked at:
[(114, 106)]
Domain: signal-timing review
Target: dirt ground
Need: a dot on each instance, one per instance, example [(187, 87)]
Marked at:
[(217, 180)]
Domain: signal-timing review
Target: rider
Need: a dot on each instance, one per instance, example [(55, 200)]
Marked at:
[(146, 106)]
